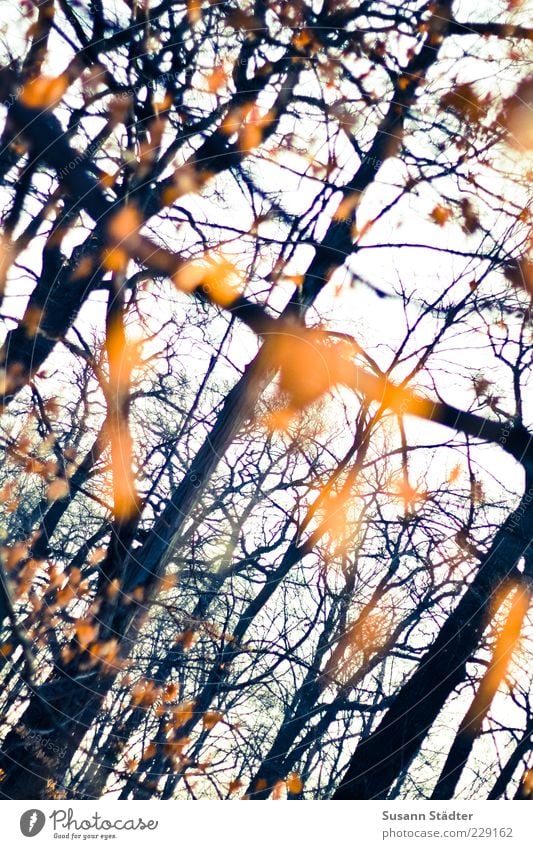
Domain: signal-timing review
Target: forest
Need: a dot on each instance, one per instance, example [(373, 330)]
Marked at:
[(266, 434)]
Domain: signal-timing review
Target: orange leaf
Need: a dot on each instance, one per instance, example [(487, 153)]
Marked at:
[(440, 215), (124, 224), (65, 595), (175, 747), (144, 693), (407, 493), (219, 279), (294, 784), (85, 632), (97, 556), (216, 79), (303, 39), (113, 588), (211, 718), (309, 366), (107, 651), (187, 639), (194, 11), (171, 692), (57, 489), (464, 101), (278, 791), (115, 259), (183, 712), (149, 752)]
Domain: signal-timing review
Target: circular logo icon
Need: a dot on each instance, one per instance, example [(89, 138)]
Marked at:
[(32, 822)]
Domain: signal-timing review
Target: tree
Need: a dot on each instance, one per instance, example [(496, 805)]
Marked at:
[(249, 252)]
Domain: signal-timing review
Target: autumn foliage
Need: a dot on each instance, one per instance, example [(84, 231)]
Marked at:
[(266, 480)]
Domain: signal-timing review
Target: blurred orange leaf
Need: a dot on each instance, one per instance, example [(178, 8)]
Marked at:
[(57, 489), (124, 224), (115, 259), (187, 639), (144, 693), (441, 214), (310, 366), (211, 718), (86, 632), (44, 92), (171, 692), (183, 712), (219, 280), (216, 79), (294, 783), (235, 785), (194, 11)]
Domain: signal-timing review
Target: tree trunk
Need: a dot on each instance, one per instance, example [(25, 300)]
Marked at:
[(388, 751)]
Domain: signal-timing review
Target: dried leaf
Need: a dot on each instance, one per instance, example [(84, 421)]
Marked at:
[(441, 214), (86, 632)]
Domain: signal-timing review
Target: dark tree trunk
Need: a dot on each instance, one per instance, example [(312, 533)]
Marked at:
[(472, 722)]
